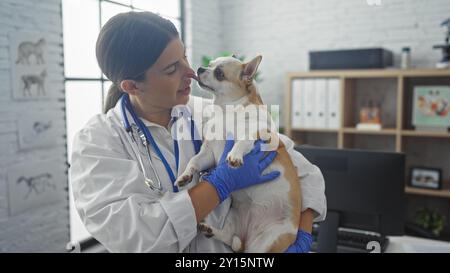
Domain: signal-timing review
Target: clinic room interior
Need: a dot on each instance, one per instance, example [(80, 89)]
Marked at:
[(357, 92)]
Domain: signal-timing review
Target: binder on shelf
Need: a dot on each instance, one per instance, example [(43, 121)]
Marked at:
[(298, 111), (302, 104), (333, 103), (309, 99), (320, 111)]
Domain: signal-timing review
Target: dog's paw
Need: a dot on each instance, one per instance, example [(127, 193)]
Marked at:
[(235, 161), (186, 177), (183, 180), (206, 230)]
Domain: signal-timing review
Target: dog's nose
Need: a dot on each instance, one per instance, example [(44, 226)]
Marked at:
[(200, 70)]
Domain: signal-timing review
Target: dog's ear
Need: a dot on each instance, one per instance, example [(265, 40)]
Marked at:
[(250, 68)]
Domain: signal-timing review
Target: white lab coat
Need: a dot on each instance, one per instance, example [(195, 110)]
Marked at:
[(123, 214)]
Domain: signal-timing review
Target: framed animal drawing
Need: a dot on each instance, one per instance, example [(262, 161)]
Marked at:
[(38, 130), (29, 65), (34, 184)]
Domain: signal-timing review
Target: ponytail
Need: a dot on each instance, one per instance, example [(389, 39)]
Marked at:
[(113, 96)]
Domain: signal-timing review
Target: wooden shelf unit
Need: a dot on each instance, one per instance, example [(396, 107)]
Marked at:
[(414, 133), (388, 131), (445, 192), (401, 127), (325, 130)]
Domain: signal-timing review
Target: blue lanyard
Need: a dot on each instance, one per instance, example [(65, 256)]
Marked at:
[(197, 143)]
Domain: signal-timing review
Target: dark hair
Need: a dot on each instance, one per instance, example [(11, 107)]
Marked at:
[(129, 44)]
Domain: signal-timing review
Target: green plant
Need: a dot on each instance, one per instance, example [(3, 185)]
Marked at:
[(430, 220), (207, 59)]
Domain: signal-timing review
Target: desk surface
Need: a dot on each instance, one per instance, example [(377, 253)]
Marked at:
[(409, 244)]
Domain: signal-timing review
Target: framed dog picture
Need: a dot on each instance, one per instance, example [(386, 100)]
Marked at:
[(427, 178), (29, 65), (35, 184), (39, 130)]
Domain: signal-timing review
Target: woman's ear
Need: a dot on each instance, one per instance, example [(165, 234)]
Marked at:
[(129, 86)]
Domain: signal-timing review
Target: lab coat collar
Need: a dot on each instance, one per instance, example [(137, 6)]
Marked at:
[(118, 112)]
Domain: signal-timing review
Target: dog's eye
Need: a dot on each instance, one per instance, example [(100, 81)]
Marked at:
[(218, 73)]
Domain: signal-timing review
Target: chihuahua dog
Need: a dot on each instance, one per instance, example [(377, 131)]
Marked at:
[(264, 217)]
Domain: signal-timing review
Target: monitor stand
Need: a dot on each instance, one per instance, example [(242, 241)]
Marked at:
[(328, 233)]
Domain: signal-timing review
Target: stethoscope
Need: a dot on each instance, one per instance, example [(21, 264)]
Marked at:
[(143, 133)]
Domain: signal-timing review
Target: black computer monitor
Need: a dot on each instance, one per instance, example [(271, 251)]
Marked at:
[(364, 191)]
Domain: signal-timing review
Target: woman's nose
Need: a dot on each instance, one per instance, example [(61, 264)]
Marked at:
[(190, 74)]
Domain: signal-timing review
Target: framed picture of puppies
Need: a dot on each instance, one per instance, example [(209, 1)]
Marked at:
[(29, 65), (425, 177)]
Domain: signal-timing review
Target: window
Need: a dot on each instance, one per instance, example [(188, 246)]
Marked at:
[(86, 86)]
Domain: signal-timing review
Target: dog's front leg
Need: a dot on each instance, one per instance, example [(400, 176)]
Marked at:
[(202, 161), (235, 157)]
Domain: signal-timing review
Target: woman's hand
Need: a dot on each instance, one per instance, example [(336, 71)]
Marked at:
[(227, 179), (302, 244)]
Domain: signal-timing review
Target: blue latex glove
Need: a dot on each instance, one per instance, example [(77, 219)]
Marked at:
[(302, 244), (227, 179)]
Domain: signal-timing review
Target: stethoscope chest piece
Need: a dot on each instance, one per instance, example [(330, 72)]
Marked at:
[(151, 184)]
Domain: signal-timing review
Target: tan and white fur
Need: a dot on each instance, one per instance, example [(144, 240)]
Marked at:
[(264, 217)]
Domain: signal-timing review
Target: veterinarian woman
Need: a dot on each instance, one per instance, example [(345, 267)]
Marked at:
[(116, 180)]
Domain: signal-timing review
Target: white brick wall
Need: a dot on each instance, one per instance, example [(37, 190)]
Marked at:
[(284, 31), (45, 228)]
